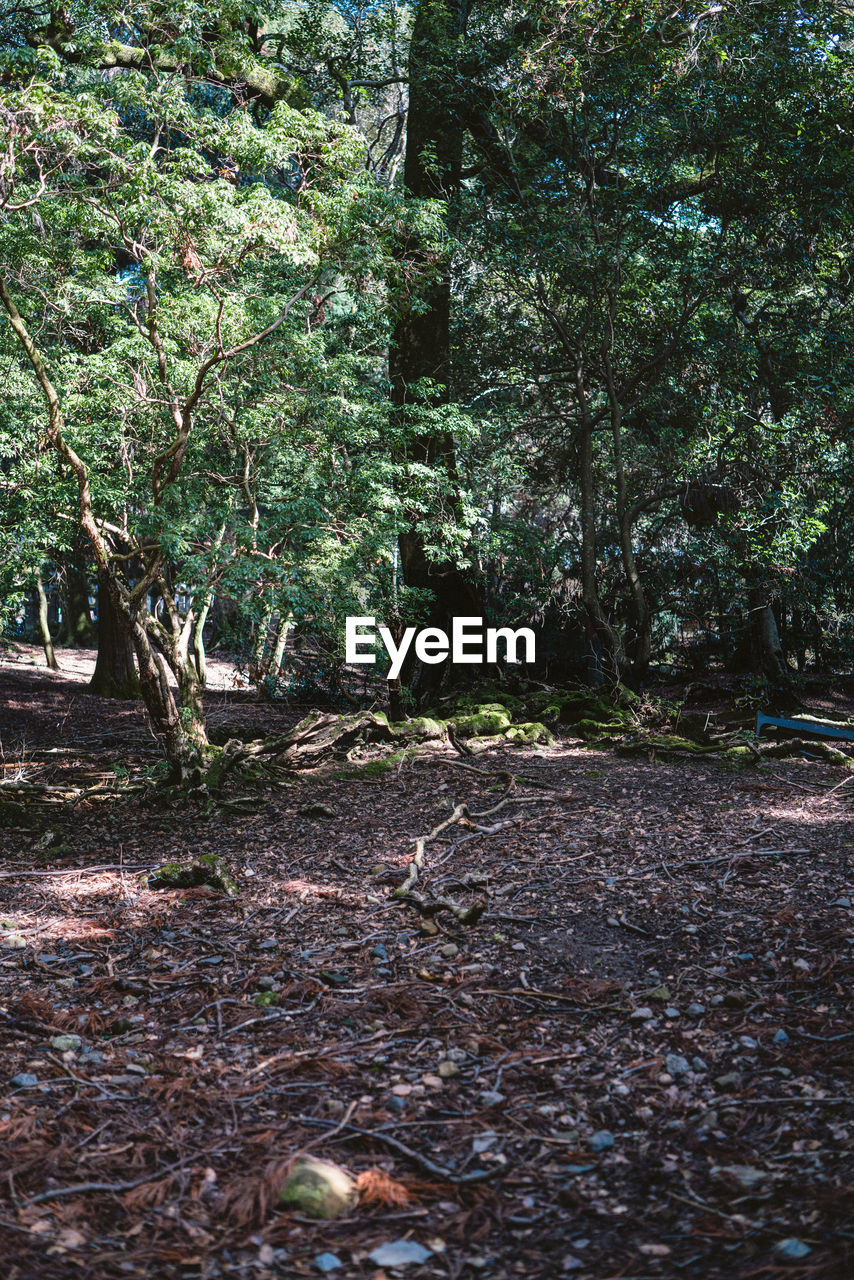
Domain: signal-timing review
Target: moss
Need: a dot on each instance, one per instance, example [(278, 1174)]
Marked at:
[(592, 730), (318, 1189), (483, 721), (419, 727), (207, 869), (526, 734), (265, 999), (373, 769)]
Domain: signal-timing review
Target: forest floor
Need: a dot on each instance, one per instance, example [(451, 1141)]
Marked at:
[(636, 1064)]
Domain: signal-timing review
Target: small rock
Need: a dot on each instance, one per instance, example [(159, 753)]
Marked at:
[(672, 1012), (66, 1044), (601, 1141), (450, 950), (676, 1064), (792, 1248), (14, 942), (483, 1141), (433, 1082), (381, 952), (25, 1080), (429, 928), (747, 1042), (448, 1069), (327, 1262), (729, 1081), (492, 1098), (318, 1188), (744, 1174), (402, 1090), (571, 1263), (695, 1010), (267, 982), (317, 810), (780, 1037), (841, 902), (399, 1253), (691, 928), (641, 1015), (396, 1104), (661, 993), (699, 1064), (803, 965)]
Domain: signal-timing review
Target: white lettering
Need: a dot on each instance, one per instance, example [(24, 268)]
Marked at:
[(395, 652), (463, 637), (511, 640), (354, 642), (431, 645)]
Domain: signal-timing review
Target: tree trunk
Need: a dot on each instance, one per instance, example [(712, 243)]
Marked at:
[(44, 629), (77, 627), (767, 652), (421, 346), (115, 674)]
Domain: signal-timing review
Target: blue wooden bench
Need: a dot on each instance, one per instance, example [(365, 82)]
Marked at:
[(804, 726)]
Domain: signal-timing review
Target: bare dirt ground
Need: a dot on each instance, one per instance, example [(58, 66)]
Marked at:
[(636, 1064)]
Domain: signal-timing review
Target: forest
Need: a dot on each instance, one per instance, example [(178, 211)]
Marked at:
[(426, 639)]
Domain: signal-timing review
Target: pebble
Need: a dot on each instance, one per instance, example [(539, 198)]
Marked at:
[(695, 1010), (267, 982), (780, 1037), (691, 928), (747, 1042), (448, 1069), (641, 1015), (381, 952), (792, 1248), (841, 902), (729, 1081), (449, 950), (601, 1141), (25, 1080), (699, 1064), (396, 1104), (492, 1098), (676, 1064), (672, 1012), (66, 1044), (804, 965), (399, 1253), (327, 1262)]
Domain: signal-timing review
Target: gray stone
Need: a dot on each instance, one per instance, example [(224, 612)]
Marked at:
[(699, 1064), (399, 1253), (327, 1262), (450, 950), (267, 982), (780, 1037), (676, 1064), (747, 1042), (65, 1044), (841, 902), (492, 1098), (792, 1248), (672, 1012), (601, 1141), (25, 1080), (695, 1010), (641, 1015)]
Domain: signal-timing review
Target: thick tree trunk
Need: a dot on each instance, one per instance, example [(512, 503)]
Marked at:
[(421, 346), (115, 673), (77, 627), (44, 628)]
